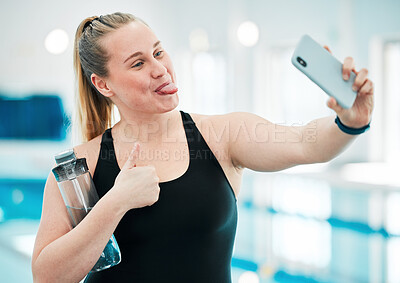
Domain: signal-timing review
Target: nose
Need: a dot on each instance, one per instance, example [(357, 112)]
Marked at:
[(158, 69)]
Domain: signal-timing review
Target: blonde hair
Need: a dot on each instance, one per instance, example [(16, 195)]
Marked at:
[(94, 111)]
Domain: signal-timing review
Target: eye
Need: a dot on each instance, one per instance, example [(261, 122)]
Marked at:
[(137, 65), (158, 53)]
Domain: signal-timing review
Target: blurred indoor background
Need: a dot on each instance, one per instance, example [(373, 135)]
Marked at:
[(331, 222)]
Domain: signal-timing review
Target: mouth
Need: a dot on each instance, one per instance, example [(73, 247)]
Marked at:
[(167, 88)]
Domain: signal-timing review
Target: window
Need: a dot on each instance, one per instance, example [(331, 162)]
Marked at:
[(286, 95), (204, 83), (391, 96), (385, 70)]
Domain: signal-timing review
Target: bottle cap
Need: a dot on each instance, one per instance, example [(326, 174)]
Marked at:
[(64, 156), (68, 167)]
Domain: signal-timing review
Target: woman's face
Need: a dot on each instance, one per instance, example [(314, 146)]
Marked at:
[(138, 65)]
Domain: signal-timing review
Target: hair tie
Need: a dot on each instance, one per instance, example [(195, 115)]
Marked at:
[(88, 23)]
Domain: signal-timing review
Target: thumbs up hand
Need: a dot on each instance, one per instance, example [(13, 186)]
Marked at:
[(134, 186), (132, 158)]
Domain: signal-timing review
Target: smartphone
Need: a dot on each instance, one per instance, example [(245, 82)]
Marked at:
[(325, 70)]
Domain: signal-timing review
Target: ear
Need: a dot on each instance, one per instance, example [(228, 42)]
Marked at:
[(101, 85)]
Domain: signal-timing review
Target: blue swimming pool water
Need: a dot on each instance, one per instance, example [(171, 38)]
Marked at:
[(21, 198), (290, 229)]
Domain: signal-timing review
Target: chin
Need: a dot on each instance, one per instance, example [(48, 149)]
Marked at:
[(174, 104), (166, 109)]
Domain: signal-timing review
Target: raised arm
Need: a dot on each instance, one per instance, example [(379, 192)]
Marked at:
[(260, 145)]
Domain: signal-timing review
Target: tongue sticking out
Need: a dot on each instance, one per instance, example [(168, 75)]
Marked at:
[(168, 89)]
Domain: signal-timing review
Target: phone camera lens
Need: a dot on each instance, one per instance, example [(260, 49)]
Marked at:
[(302, 62)]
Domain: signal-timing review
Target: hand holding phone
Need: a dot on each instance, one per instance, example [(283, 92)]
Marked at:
[(325, 70)]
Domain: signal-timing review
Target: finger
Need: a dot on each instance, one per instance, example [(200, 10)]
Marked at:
[(348, 66), (327, 48), (361, 78), (332, 104), (367, 88), (133, 157)]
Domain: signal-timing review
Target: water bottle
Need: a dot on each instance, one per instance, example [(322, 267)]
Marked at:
[(80, 195)]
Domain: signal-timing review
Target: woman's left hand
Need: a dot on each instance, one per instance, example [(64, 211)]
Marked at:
[(360, 113)]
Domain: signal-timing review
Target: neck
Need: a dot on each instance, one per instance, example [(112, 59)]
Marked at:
[(146, 127)]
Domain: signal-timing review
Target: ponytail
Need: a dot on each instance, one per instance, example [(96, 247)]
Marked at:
[(94, 111)]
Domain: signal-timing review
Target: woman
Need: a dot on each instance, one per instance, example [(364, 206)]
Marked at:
[(168, 181)]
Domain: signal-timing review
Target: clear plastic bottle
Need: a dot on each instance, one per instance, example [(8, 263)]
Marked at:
[(79, 193)]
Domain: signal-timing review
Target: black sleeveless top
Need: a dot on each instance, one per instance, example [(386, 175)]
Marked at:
[(187, 235)]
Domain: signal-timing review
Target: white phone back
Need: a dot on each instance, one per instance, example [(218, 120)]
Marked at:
[(324, 70)]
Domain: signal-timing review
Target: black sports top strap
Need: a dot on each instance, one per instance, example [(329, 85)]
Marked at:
[(107, 166)]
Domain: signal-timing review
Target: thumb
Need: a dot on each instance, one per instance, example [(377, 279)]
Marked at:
[(133, 157), (332, 104)]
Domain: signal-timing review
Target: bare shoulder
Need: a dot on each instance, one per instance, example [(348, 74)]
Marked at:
[(217, 121), (89, 150), (221, 120), (220, 126), (215, 129), (210, 125)]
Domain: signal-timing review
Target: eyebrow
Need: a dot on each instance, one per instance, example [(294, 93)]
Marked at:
[(140, 53)]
